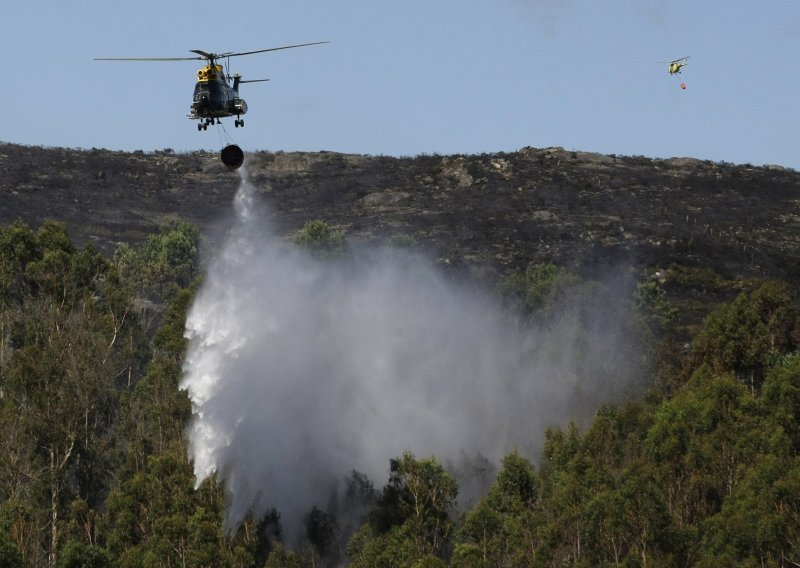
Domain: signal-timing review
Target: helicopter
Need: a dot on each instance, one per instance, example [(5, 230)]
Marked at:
[(215, 94), (675, 65)]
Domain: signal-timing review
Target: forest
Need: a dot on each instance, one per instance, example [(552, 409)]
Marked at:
[(702, 470)]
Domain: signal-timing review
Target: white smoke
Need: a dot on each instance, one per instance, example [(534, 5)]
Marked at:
[(301, 370)]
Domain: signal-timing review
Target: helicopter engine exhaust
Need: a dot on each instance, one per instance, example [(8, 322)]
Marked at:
[(232, 156)]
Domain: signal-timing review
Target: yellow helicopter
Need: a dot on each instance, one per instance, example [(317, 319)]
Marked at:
[(675, 66), (215, 94)]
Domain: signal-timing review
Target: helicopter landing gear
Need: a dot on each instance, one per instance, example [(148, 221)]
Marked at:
[(239, 122), (204, 125)]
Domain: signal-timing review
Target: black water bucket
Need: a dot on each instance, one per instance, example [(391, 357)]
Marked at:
[(232, 156)]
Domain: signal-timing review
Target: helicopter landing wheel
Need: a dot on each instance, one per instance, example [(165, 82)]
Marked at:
[(199, 127), (239, 123)]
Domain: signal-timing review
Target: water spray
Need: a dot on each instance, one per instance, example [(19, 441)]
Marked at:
[(301, 370)]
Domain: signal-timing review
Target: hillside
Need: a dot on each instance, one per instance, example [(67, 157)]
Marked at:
[(486, 215), (489, 212)]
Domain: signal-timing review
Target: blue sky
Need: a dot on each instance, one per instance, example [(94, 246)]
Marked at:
[(417, 76)]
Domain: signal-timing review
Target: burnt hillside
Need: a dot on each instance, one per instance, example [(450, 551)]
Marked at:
[(488, 213)]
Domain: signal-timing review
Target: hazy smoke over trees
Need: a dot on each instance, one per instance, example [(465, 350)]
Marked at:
[(303, 369)]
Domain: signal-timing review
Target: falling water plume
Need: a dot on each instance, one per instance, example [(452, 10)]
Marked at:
[(302, 369)]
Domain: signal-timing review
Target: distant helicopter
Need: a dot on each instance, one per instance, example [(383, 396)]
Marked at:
[(215, 94), (676, 65)]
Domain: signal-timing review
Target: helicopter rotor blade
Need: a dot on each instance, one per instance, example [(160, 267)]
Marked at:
[(253, 81), (204, 55), (147, 58), (233, 54), (674, 60)]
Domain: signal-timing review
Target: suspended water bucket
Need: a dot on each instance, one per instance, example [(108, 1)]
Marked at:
[(232, 156)]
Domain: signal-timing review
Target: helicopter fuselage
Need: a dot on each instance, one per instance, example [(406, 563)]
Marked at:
[(213, 97), (675, 68)]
